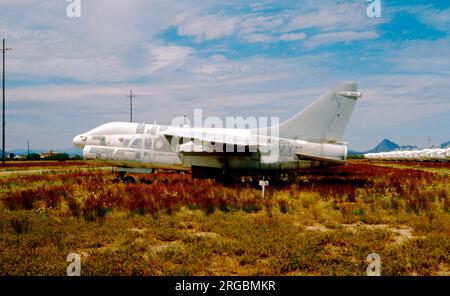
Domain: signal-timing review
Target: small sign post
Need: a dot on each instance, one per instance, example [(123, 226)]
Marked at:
[(263, 183)]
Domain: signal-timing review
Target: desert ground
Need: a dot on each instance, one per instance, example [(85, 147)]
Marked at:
[(316, 222)]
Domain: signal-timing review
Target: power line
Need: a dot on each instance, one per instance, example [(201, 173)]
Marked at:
[(131, 96), (4, 49)]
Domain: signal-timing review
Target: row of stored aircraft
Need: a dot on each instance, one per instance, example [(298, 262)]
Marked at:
[(436, 154), (311, 138)]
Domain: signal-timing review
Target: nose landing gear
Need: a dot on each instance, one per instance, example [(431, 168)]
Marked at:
[(122, 178), (121, 171)]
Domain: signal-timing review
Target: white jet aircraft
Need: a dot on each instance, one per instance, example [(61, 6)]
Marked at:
[(311, 138)]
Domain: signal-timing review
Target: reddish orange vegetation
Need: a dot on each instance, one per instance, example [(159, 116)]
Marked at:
[(93, 194), (416, 188), (416, 164)]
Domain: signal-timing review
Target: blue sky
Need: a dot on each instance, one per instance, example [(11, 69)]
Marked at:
[(240, 58)]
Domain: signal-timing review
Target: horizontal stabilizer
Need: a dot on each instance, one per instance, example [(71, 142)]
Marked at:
[(320, 158)]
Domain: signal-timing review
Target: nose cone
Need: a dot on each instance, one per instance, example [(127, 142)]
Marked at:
[(79, 141)]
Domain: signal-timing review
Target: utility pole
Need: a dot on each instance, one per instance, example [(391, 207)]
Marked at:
[(28, 145), (131, 96), (4, 49)]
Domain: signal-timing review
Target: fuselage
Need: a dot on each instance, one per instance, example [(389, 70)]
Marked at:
[(308, 139), (151, 146)]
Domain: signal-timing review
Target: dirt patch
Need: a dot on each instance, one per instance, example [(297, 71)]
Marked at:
[(403, 233), (353, 227), (137, 230), (317, 228), (198, 233), (206, 234), (164, 246)]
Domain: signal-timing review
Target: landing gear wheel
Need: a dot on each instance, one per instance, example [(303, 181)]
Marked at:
[(129, 180), (119, 177), (146, 181), (225, 180)]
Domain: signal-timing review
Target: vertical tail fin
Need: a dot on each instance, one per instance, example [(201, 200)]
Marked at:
[(326, 118)]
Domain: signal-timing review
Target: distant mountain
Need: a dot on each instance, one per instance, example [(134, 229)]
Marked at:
[(387, 145), (71, 151), (384, 146), (353, 152), (445, 145), (25, 151)]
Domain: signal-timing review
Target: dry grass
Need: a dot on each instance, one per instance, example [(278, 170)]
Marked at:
[(320, 223), (46, 164)]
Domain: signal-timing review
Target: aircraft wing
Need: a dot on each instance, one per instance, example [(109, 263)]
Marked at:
[(216, 137), (320, 158)]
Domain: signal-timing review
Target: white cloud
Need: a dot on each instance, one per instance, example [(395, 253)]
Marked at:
[(293, 36), (204, 28), (333, 16), (263, 24), (18, 2), (342, 37), (248, 27), (221, 70), (439, 19), (167, 57), (259, 6), (107, 44), (251, 28), (257, 38), (390, 101), (346, 19), (218, 58), (421, 56)]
